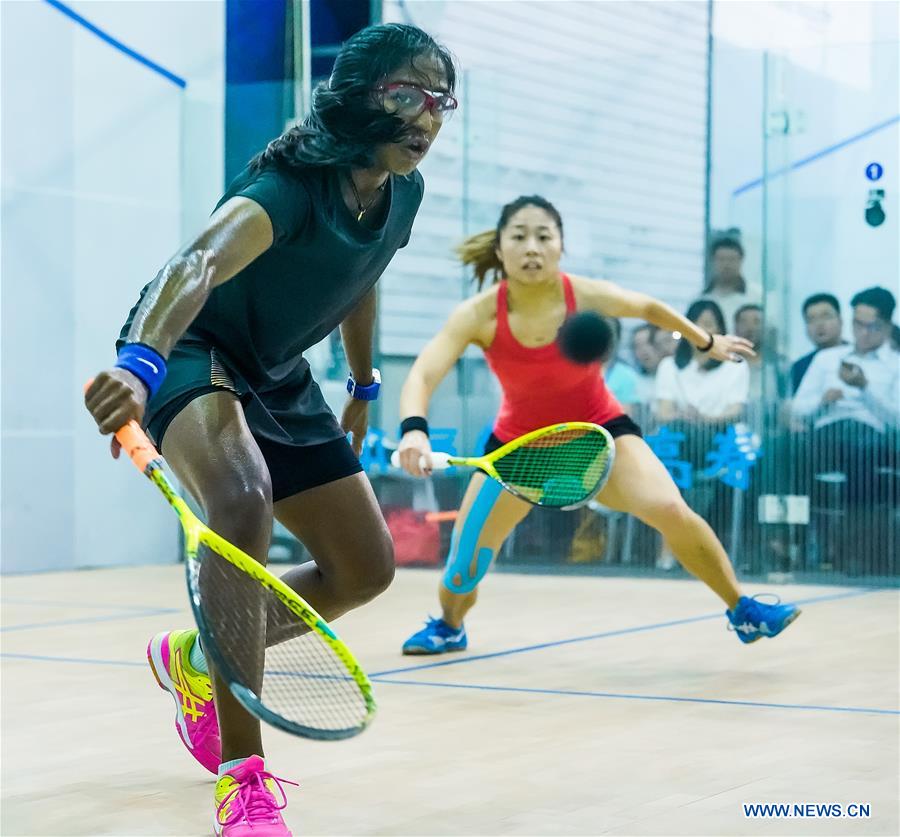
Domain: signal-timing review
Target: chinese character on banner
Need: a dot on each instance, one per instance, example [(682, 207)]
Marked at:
[(736, 451), (667, 447)]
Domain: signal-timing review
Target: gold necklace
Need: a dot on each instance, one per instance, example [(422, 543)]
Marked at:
[(359, 204)]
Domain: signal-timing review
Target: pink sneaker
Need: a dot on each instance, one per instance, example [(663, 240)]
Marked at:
[(169, 656), (245, 802)]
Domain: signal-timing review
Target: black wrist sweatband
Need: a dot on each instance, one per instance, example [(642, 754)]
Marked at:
[(709, 345), (414, 423)]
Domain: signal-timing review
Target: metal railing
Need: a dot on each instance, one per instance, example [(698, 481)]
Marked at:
[(787, 500)]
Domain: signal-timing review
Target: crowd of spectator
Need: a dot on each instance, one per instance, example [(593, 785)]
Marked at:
[(832, 414), (823, 428)]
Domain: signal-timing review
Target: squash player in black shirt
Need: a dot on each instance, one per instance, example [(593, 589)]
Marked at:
[(211, 361)]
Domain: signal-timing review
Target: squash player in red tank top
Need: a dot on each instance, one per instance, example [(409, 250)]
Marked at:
[(515, 322)]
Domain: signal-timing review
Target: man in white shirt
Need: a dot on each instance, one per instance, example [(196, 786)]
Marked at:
[(727, 286), (852, 397), (858, 383), (824, 327)]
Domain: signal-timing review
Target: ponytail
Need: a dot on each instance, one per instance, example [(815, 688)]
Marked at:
[(480, 251)]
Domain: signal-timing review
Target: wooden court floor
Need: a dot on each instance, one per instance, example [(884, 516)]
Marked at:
[(584, 706)]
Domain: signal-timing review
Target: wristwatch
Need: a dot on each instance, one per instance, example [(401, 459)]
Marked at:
[(365, 393)]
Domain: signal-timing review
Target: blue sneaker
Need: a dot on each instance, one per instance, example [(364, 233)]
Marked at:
[(752, 619), (437, 637)]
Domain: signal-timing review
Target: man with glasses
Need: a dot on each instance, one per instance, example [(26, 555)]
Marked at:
[(851, 395), (824, 327), (858, 384)]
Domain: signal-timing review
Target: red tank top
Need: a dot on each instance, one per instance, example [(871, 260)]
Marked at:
[(540, 385)]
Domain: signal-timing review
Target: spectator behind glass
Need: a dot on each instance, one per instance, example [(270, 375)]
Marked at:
[(664, 342), (824, 326), (620, 378), (852, 397), (860, 383), (768, 368), (647, 359), (693, 388), (727, 286)]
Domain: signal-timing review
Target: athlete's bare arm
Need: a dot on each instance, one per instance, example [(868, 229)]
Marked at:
[(614, 301), (238, 232), (472, 322)]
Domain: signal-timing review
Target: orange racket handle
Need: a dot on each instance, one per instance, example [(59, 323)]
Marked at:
[(134, 442), (441, 517)]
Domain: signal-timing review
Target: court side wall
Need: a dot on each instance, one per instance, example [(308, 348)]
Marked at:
[(599, 107), (833, 72), (107, 162)]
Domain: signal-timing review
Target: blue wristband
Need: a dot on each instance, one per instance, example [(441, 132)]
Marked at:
[(365, 393), (145, 363)]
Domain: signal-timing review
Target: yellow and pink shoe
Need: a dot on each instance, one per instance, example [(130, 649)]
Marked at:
[(169, 655), (246, 802)]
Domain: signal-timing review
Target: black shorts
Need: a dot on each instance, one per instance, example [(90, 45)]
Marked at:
[(299, 437), (622, 425)]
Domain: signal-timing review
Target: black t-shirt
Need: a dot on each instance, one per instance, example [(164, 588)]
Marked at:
[(321, 264)]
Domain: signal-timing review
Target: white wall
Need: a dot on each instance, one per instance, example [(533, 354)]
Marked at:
[(102, 171), (833, 67), (600, 107)]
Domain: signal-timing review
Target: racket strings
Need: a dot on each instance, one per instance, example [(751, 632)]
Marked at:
[(304, 676), (301, 678), (561, 468)]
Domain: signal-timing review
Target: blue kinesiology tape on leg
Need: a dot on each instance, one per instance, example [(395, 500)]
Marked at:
[(464, 541)]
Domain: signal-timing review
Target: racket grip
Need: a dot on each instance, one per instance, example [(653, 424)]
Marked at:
[(441, 517), (134, 442), (440, 461)]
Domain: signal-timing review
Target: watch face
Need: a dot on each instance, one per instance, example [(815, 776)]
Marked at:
[(368, 392)]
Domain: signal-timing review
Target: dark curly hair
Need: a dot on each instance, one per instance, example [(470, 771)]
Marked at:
[(343, 128)]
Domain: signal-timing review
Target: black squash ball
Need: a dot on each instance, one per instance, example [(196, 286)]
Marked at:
[(585, 337)]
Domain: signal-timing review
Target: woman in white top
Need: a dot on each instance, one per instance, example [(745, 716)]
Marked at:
[(694, 388), (699, 397)]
